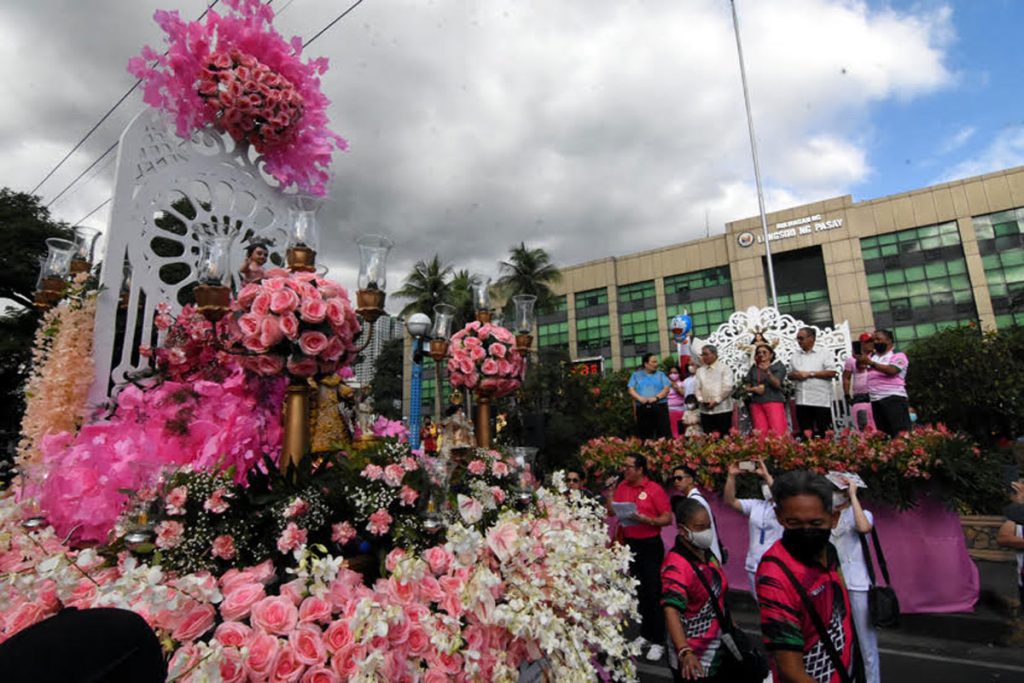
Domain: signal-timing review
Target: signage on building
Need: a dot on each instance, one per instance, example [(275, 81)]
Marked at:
[(808, 225), (586, 366)]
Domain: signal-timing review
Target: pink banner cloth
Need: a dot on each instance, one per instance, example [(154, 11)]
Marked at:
[(924, 547)]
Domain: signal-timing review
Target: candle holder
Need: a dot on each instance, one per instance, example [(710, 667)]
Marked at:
[(85, 241), (524, 321), (53, 275), (303, 240), (372, 281), (212, 295), (480, 287)]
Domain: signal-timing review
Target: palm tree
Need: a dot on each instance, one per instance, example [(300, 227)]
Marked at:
[(461, 297), (529, 271), (427, 285)]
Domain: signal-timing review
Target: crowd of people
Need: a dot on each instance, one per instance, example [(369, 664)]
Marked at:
[(700, 398), (805, 560)]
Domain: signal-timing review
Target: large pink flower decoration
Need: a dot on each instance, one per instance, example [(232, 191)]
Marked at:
[(237, 73), (484, 357), (295, 321)]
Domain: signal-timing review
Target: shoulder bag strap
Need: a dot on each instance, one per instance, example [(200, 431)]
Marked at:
[(723, 620), (867, 557), (880, 555), (819, 625)]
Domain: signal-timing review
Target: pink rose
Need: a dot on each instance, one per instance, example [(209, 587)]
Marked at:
[(270, 332), (238, 603), (232, 634), (312, 343), (248, 293), (293, 590), (418, 641), (302, 366), (489, 367), (505, 368), (291, 538), (393, 474), (342, 533), (295, 508), (313, 310), (169, 534), (408, 496), (249, 324), (346, 662), (497, 350), (380, 522), (466, 366), (477, 353), (197, 622), (261, 304), (499, 495), (175, 500), (223, 547), (336, 312), (409, 464), (477, 467), (314, 609), (290, 326), (334, 348), (320, 674), (217, 502), (439, 559), (373, 472), (254, 344), (269, 365), (232, 669), (337, 636), (275, 614), (308, 644), (284, 301), (499, 469), (286, 667), (262, 652)]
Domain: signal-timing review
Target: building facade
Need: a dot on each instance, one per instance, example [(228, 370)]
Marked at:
[(914, 262), (385, 328)]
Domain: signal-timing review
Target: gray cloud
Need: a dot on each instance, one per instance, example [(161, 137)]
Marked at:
[(586, 128)]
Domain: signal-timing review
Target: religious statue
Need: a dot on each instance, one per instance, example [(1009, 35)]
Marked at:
[(758, 340), (332, 424), (256, 254), (365, 417), (456, 431)]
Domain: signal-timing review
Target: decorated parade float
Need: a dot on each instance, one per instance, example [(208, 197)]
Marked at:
[(192, 452)]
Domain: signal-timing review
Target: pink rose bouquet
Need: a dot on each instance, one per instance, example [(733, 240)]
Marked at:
[(298, 322), (236, 72), (484, 357)]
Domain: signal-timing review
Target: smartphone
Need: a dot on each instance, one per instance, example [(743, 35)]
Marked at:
[(748, 466), (856, 347)]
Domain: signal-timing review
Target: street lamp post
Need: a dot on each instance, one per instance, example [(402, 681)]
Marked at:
[(418, 325)]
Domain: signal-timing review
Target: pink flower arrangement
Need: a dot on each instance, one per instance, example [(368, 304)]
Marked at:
[(483, 357), (237, 73), (298, 321)]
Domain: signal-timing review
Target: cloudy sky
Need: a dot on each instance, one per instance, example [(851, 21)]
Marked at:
[(586, 127)]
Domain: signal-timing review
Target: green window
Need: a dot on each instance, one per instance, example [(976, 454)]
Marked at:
[(553, 335), (1001, 243), (701, 279), (591, 297), (592, 333), (637, 291), (639, 327)]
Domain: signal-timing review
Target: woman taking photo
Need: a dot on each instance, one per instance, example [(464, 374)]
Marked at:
[(694, 634), (764, 382)]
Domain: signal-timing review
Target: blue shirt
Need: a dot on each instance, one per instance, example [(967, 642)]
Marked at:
[(649, 385)]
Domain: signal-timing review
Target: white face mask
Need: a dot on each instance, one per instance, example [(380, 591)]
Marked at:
[(701, 539)]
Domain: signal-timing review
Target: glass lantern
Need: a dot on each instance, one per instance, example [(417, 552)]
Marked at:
[(214, 260), (480, 285), (436, 501), (85, 242), (444, 314), (524, 319), (373, 261), (302, 231), (58, 258), (524, 458)]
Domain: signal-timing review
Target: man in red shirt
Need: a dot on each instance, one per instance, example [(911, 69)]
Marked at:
[(805, 557), (642, 533)]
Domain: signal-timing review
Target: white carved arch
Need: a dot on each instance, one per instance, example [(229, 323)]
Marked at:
[(167, 192), (733, 341)]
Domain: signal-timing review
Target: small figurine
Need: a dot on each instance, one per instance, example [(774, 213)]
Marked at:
[(255, 257), (365, 417), (456, 430)]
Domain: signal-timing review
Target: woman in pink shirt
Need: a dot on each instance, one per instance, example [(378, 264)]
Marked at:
[(887, 385), (676, 402)]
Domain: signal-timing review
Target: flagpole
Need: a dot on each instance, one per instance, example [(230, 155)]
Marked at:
[(753, 154)]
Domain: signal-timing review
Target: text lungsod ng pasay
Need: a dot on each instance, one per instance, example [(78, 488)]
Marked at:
[(801, 226)]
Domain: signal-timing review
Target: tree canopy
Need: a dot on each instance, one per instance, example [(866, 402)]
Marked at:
[(529, 271), (25, 225), (427, 285)]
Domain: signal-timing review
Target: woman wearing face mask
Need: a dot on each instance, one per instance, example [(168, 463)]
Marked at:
[(854, 520), (887, 385), (694, 634), (676, 402)]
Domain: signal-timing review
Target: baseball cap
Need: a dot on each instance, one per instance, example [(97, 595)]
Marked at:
[(865, 336)]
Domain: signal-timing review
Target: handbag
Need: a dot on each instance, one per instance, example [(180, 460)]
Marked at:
[(744, 663), (823, 636), (883, 605)]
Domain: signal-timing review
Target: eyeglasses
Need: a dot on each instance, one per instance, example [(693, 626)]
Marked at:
[(801, 336), (572, 480)]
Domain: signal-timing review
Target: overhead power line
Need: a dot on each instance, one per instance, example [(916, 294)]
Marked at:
[(104, 118), (336, 20)]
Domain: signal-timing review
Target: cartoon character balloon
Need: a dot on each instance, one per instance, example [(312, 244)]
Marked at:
[(681, 327)]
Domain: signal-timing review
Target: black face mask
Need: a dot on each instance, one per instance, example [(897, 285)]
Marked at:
[(805, 544), (880, 348)]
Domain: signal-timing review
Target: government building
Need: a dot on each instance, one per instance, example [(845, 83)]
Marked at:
[(913, 263)]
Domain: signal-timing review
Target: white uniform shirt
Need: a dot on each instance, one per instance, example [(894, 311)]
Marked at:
[(851, 556), (764, 529), (813, 391)]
